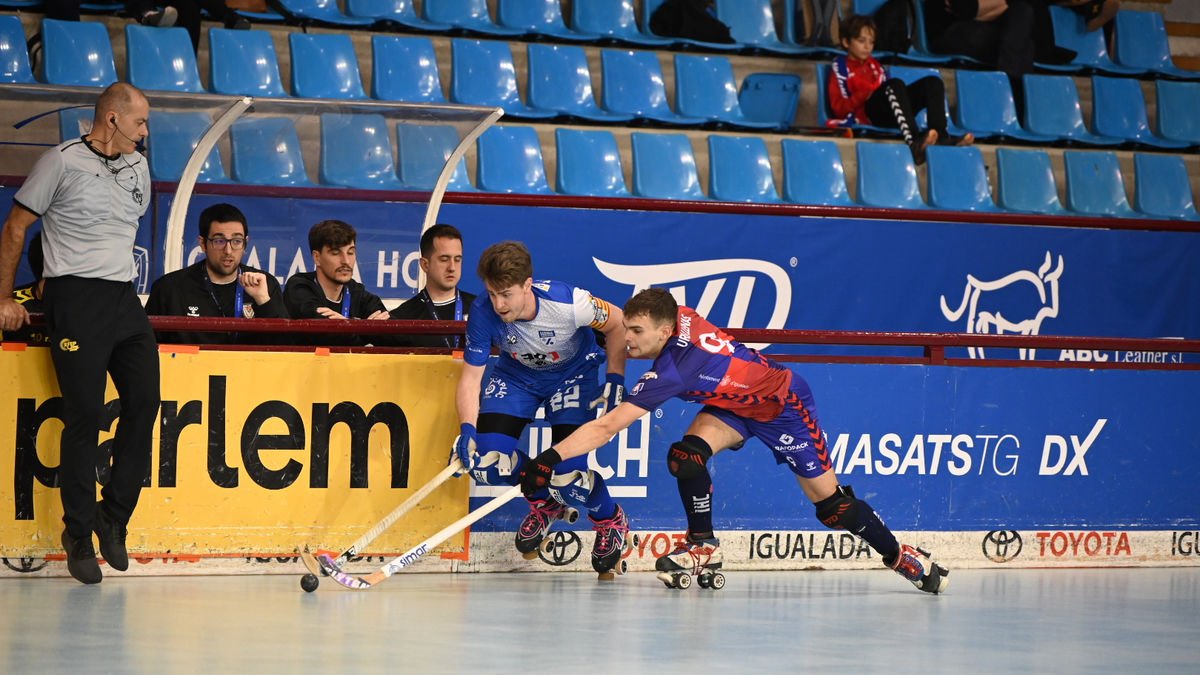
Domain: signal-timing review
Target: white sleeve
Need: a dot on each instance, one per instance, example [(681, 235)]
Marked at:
[(590, 311), (37, 192)]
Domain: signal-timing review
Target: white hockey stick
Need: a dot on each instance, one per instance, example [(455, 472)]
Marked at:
[(390, 519), (400, 562)]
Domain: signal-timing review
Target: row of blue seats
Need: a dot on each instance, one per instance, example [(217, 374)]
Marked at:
[(356, 152), (559, 83)]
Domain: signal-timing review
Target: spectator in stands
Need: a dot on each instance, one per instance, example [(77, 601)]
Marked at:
[(330, 291), (860, 92), (187, 13), (822, 13), (91, 194), (1097, 13), (29, 296), (219, 285), (440, 300), (690, 19)]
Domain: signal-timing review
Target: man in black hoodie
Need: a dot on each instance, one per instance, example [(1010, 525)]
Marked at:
[(330, 291)]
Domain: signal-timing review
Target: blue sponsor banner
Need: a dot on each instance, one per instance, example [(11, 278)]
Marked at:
[(942, 448)]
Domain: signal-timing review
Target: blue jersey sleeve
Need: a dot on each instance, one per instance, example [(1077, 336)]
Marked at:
[(481, 326)]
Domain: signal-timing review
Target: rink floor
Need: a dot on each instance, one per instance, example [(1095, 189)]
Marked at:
[(1002, 621)]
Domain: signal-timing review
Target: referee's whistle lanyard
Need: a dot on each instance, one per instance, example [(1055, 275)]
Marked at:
[(239, 295), (458, 314)]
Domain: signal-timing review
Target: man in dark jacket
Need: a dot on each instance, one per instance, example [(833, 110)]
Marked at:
[(330, 291), (440, 300)]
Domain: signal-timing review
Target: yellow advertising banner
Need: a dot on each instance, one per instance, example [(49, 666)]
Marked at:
[(255, 453)]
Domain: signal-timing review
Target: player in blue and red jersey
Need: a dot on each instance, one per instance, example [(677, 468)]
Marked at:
[(548, 357), (745, 395)]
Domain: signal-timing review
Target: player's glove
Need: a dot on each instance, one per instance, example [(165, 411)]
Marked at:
[(536, 474), (464, 448), (611, 396)]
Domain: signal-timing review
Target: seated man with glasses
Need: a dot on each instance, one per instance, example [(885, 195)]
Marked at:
[(219, 285)]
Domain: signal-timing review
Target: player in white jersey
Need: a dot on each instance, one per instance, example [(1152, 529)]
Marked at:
[(548, 356)]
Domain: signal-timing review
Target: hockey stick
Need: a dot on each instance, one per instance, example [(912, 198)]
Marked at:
[(390, 519), (400, 562)]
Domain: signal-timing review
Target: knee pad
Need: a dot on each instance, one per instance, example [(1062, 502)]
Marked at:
[(498, 468), (839, 511), (688, 458)]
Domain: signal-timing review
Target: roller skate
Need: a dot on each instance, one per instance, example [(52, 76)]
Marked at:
[(700, 558), (915, 565), (611, 543), (542, 514)]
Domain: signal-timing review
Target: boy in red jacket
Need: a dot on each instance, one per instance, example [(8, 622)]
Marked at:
[(860, 92)]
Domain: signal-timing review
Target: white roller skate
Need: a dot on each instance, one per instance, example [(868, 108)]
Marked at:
[(915, 565), (699, 558), (542, 514), (611, 543)]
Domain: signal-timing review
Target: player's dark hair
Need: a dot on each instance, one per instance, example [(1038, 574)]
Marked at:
[(222, 213), (853, 25), (439, 230), (331, 233), (655, 303), (505, 264), (36, 260)]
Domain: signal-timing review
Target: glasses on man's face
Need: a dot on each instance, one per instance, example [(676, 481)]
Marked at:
[(221, 242)]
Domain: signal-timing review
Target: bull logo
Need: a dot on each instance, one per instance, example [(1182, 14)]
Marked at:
[(981, 300)]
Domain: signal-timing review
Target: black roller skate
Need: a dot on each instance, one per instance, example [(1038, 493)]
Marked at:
[(915, 565), (694, 557), (542, 514), (611, 543)]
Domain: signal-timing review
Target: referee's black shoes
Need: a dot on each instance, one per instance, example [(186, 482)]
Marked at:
[(81, 559), (111, 534)]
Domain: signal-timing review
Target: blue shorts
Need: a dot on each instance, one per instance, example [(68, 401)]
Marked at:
[(794, 437), (566, 395)]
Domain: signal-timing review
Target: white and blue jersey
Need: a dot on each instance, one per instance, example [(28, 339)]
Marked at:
[(551, 358)]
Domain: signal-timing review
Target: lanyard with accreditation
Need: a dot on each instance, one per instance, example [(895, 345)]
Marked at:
[(458, 314)]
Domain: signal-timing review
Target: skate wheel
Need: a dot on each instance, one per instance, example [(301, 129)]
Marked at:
[(530, 555), (546, 547), (703, 580), (623, 567), (717, 582), (606, 576), (683, 581), (571, 515)]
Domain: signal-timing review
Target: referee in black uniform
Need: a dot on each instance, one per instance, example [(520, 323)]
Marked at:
[(441, 261), (90, 193)]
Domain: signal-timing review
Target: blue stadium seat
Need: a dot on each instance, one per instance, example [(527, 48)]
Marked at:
[(1025, 182), (509, 159), (161, 59), (406, 69), (633, 85), (400, 12), (423, 150), (1052, 109), (266, 151), (958, 180), (483, 73), (14, 58), (648, 8), (537, 17), (887, 177), (325, 66), (613, 20), (986, 108), (770, 98), (739, 170), (1140, 41), (77, 53), (908, 75), (1095, 186), (705, 88), (664, 167), (75, 122), (1070, 32), (21, 4), (1163, 189), (559, 80), (752, 23), (324, 11), (1119, 110), (173, 137), (243, 63), (468, 15), (792, 37), (825, 113), (813, 173), (1175, 112), (589, 164), (356, 152)]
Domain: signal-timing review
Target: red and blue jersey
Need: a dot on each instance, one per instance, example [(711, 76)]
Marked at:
[(704, 364)]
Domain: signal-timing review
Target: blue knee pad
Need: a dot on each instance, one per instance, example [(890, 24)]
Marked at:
[(587, 491), (500, 462)]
